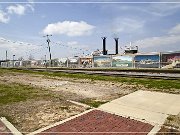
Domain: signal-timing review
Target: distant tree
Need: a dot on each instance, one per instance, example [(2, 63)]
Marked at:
[(31, 57), (20, 58)]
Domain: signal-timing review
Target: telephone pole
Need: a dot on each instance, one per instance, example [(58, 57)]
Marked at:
[(45, 61), (6, 55), (13, 60), (48, 41), (6, 59)]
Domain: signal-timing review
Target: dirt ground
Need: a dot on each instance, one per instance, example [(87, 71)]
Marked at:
[(173, 121), (167, 131), (72, 89), (33, 114)]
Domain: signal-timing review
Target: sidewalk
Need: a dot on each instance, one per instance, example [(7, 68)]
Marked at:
[(153, 107)]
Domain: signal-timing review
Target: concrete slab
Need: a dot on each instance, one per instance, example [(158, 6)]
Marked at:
[(153, 107)]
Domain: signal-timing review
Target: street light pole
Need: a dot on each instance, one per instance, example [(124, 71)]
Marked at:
[(45, 62), (6, 59), (13, 60), (137, 48), (48, 41)]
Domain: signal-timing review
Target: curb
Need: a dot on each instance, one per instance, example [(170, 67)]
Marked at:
[(13, 130)]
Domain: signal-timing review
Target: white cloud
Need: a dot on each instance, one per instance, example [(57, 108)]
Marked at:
[(3, 17), (77, 48), (75, 44), (168, 42), (14, 9), (175, 29), (127, 25), (163, 9), (164, 42), (69, 28), (17, 9), (31, 1), (18, 48), (155, 9), (30, 6), (43, 16), (72, 43)]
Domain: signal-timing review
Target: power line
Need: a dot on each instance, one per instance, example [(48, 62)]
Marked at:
[(34, 51), (75, 48), (17, 42), (28, 52)]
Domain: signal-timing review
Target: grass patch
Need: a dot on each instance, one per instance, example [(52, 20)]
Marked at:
[(93, 103), (10, 93), (159, 84), (64, 108)]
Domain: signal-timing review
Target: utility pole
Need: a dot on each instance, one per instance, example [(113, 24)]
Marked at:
[(137, 48), (6, 59), (6, 55), (13, 60), (67, 62), (45, 62), (48, 41)]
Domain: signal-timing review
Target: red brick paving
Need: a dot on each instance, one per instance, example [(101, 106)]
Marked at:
[(4, 130), (100, 123)]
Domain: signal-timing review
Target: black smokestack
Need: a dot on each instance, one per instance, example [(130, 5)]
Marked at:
[(104, 46), (116, 41)]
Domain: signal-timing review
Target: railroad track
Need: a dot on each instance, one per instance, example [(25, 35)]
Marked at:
[(152, 75)]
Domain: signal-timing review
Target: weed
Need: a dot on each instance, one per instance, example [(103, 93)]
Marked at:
[(93, 103), (64, 108), (14, 92)]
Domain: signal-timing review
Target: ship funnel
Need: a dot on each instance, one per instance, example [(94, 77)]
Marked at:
[(116, 43), (104, 46)]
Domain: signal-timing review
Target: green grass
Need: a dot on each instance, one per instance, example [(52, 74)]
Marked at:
[(160, 84), (93, 103), (10, 93)]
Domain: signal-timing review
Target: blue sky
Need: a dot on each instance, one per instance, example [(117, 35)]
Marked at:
[(77, 28)]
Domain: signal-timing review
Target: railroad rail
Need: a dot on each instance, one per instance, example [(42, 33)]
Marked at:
[(124, 73)]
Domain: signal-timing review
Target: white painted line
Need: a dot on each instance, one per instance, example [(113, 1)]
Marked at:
[(80, 104), (155, 129), (58, 123), (13, 130)]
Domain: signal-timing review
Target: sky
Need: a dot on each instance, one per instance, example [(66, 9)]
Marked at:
[(77, 26)]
